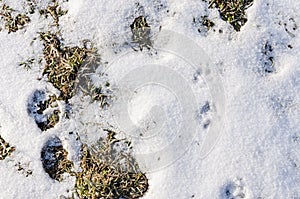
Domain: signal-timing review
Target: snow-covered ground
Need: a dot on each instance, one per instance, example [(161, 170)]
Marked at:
[(214, 114)]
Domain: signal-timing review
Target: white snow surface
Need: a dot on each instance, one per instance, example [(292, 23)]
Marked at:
[(257, 151)]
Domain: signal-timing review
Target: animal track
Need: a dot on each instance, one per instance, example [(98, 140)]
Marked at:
[(267, 59), (282, 105), (54, 159), (234, 189), (44, 109), (202, 114), (290, 26)]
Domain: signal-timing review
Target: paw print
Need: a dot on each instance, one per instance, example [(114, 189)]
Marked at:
[(267, 59), (234, 189), (290, 26)]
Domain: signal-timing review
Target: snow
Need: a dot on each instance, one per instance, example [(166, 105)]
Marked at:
[(247, 144)]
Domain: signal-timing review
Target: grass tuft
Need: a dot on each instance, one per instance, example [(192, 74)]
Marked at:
[(55, 11), (13, 23), (108, 172), (5, 149), (23, 169), (27, 64), (141, 32), (232, 11), (62, 64)]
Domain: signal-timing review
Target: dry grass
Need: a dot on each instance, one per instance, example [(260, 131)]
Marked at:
[(5, 149), (68, 68), (23, 169), (62, 64), (52, 120), (109, 173), (100, 93), (27, 64), (55, 11), (13, 23), (141, 32), (232, 11), (107, 169)]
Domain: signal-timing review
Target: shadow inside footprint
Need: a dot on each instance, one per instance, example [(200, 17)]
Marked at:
[(54, 159), (44, 109)]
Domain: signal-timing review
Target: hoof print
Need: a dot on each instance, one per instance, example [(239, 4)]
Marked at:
[(44, 109), (54, 159)]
